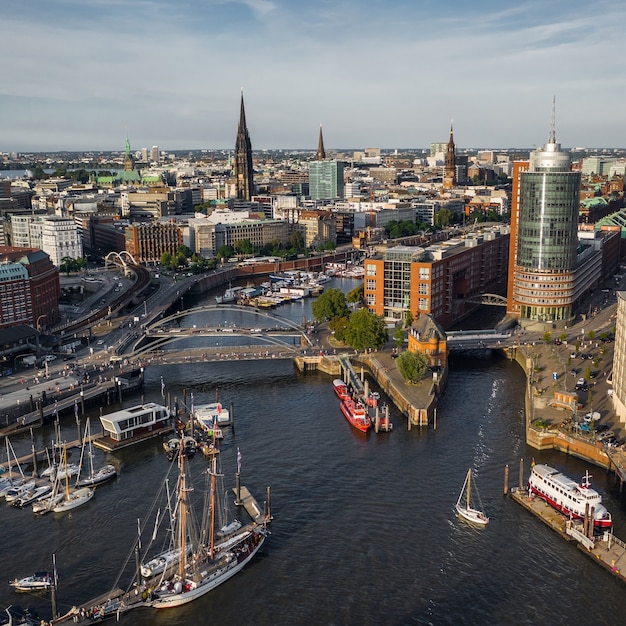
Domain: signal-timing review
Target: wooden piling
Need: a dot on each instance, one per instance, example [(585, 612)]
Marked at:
[(521, 473), (506, 480)]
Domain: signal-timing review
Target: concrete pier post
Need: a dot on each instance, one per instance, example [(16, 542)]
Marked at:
[(237, 488)]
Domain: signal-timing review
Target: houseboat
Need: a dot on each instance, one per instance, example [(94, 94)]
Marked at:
[(136, 423)]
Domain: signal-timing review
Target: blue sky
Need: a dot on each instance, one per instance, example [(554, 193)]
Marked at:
[(83, 74)]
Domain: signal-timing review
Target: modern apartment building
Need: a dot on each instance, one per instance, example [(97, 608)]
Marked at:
[(619, 359), (56, 236), (445, 280)]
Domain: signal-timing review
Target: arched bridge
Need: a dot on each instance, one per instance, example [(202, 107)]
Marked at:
[(490, 299), (265, 329)]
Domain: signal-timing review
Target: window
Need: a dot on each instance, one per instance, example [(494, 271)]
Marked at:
[(370, 269), (423, 289), (424, 273)]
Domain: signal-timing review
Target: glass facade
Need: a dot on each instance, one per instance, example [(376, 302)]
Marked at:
[(548, 220)]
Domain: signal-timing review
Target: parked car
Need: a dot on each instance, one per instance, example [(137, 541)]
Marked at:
[(609, 434), (580, 384), (600, 428), (50, 357)]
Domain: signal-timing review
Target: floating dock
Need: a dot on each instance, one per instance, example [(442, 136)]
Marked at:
[(606, 549), (244, 498)]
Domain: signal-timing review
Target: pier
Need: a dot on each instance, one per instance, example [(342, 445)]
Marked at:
[(606, 549)]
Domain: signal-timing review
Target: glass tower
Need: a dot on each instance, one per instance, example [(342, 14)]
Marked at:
[(547, 235)]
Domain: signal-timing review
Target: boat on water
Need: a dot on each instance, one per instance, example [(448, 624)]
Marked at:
[(341, 389), (230, 295), (211, 563), (60, 472), (356, 413), (161, 563), (174, 445), (15, 493), (95, 476), (39, 581), (38, 492), (207, 415), (71, 498), (464, 507), (568, 496)]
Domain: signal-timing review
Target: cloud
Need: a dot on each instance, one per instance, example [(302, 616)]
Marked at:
[(387, 73)]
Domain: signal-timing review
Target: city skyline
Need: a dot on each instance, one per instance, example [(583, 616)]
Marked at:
[(83, 75)]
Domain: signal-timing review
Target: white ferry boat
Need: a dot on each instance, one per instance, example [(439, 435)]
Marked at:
[(568, 496)]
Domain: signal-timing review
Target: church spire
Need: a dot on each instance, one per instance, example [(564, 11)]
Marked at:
[(244, 174), (321, 153), (449, 170)]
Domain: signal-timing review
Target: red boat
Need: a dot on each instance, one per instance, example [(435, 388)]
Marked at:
[(356, 414), (341, 389)]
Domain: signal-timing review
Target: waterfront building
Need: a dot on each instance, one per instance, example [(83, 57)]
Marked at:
[(243, 170), (543, 286), (428, 338), (29, 288), (317, 228), (147, 242), (444, 280)]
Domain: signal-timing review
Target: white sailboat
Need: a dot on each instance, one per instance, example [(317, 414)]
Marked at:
[(11, 481), (95, 476), (464, 506), (210, 563), (72, 499)]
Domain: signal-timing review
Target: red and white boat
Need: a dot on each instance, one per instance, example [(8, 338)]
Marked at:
[(568, 496), (341, 389), (356, 414)]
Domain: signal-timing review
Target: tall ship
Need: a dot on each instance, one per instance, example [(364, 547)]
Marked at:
[(202, 566), (568, 496), (356, 413)]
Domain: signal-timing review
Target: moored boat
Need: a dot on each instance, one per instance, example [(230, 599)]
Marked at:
[(39, 581), (356, 413), (568, 496), (341, 389)]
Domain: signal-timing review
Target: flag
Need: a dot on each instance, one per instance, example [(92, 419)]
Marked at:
[(76, 409), (238, 461), (138, 534), (55, 411), (162, 388)]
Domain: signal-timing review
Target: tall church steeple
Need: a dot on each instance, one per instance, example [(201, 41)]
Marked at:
[(321, 153), (449, 172), (244, 173)]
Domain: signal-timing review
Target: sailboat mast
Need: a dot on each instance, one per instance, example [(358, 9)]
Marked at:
[(213, 489), (182, 513), (469, 487)]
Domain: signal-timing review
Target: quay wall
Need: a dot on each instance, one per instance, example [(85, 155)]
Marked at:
[(553, 437)]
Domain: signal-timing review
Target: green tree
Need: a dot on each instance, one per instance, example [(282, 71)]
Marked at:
[(295, 241), (398, 336), (547, 337), (225, 252), (442, 217), (184, 250), (331, 303), (412, 366), (244, 247), (408, 319), (166, 260), (338, 325), (356, 295), (365, 330), (67, 264)]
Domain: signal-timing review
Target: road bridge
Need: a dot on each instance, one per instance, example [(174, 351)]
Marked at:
[(458, 340)]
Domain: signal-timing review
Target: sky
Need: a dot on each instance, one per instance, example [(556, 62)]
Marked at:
[(85, 74)]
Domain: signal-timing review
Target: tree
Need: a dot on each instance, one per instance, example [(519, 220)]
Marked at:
[(412, 366), (398, 336), (356, 295), (330, 304), (547, 337), (442, 217), (166, 260), (365, 330), (295, 241), (225, 252), (66, 264), (408, 319)]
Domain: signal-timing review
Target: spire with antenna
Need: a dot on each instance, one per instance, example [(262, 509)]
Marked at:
[(552, 138), (321, 153)]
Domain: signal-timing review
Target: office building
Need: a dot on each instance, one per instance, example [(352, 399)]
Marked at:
[(544, 240), (326, 180)]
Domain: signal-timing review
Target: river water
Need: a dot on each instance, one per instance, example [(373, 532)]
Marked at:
[(363, 531)]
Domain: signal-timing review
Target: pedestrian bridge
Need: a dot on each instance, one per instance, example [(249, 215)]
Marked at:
[(204, 324), (477, 339)]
